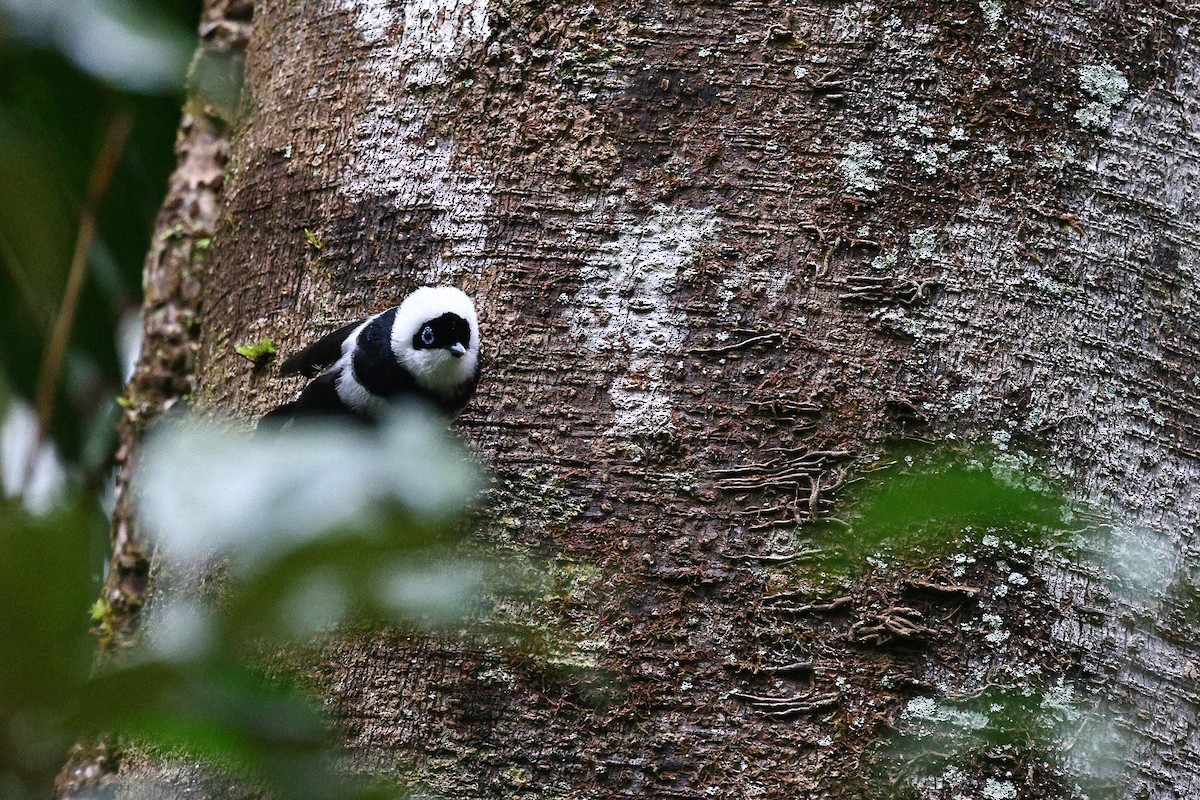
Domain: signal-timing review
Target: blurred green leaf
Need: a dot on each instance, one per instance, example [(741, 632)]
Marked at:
[(964, 745), (123, 43), (256, 499), (215, 78), (312, 527), (923, 503), (232, 715), (28, 469)]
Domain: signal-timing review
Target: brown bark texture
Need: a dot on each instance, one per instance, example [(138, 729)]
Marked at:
[(722, 253), (171, 281)]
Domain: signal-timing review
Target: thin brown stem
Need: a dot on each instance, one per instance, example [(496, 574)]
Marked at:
[(50, 374)]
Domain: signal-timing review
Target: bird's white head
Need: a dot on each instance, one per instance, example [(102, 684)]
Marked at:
[(436, 337)]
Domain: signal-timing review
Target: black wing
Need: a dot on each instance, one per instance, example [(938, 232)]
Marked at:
[(320, 354), (319, 399)]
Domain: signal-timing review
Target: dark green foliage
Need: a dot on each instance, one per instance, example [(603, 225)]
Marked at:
[(46, 584), (54, 115)]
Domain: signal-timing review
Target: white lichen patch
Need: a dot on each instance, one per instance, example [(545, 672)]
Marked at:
[(995, 633), (392, 162), (1017, 469), (993, 11), (859, 168), (961, 401), (885, 262), (999, 154), (927, 159), (850, 21), (1143, 406), (390, 155), (1108, 88), (908, 114), (927, 715), (627, 304), (372, 18), (899, 321), (923, 244), (1060, 704), (435, 31), (999, 790), (1058, 156), (921, 708)]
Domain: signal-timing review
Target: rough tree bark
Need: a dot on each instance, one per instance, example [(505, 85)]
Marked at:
[(722, 252)]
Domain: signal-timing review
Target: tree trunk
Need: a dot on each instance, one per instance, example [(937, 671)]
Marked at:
[(722, 254)]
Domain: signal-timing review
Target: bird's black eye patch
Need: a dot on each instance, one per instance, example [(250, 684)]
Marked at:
[(444, 331)]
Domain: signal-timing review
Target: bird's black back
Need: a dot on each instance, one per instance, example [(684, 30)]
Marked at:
[(375, 364)]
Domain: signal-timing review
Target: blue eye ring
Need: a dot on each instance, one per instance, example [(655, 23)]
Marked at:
[(427, 336)]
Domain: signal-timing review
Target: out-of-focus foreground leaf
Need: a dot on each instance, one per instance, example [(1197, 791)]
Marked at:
[(964, 747), (921, 504), (298, 532), (316, 523), (212, 706), (129, 45)]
